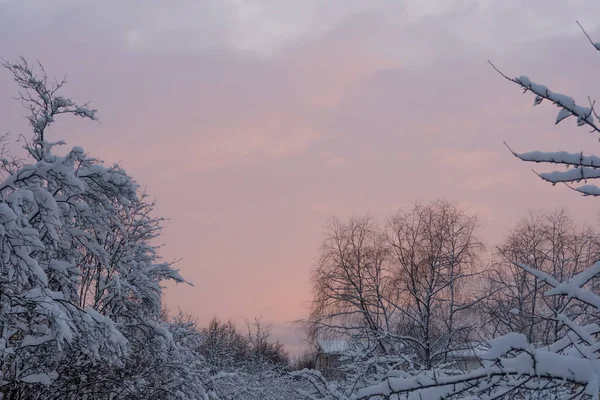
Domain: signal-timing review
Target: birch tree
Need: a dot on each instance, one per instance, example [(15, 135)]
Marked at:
[(400, 290), (350, 285), (435, 255), (552, 243)]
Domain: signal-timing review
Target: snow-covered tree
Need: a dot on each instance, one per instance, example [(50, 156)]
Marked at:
[(513, 367), (350, 286), (80, 281)]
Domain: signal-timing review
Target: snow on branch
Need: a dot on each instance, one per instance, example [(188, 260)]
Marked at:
[(513, 364), (39, 94), (585, 115), (532, 370), (585, 167), (558, 157), (572, 175)]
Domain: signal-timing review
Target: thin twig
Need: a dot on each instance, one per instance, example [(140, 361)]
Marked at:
[(588, 36)]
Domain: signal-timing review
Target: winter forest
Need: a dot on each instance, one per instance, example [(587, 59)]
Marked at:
[(414, 305)]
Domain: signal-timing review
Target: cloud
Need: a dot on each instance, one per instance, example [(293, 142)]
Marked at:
[(480, 210), (334, 161), (404, 156), (463, 159)]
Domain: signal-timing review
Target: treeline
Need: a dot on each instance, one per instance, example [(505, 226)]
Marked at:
[(423, 286), (224, 345)]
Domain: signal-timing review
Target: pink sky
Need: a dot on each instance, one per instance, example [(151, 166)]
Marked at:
[(254, 122)]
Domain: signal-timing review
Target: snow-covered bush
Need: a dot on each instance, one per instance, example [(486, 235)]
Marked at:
[(248, 365)]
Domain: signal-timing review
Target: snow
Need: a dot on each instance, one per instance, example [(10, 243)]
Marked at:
[(474, 350), (586, 167), (590, 190), (584, 114), (571, 175), (44, 379), (560, 157), (503, 344), (30, 340), (562, 114)]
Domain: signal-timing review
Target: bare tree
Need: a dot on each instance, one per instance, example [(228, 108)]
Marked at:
[(349, 285), (552, 243), (401, 290), (435, 253), (262, 347)]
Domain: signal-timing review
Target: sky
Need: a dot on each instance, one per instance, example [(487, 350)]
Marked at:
[(252, 123)]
